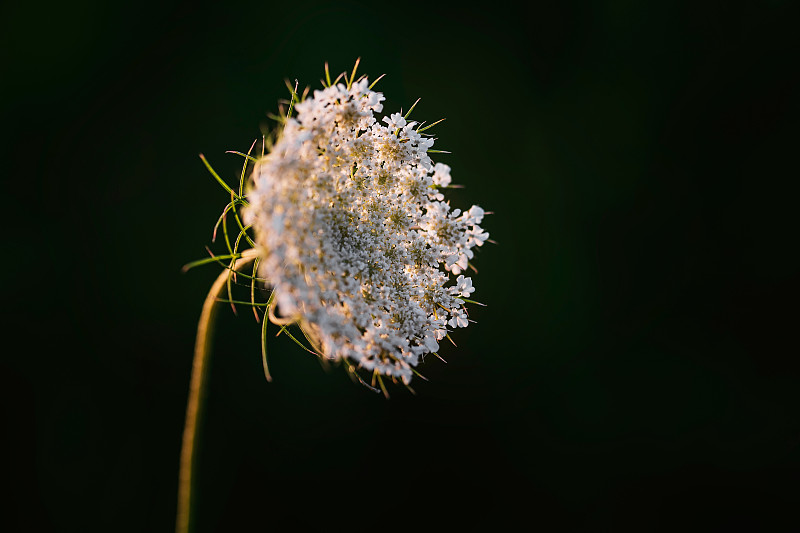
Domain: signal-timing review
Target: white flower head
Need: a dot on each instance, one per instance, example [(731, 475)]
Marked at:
[(354, 234)]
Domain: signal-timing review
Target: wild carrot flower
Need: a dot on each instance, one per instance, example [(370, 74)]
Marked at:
[(352, 233), (355, 236)]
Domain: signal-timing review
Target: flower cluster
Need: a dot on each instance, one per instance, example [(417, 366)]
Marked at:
[(354, 233)]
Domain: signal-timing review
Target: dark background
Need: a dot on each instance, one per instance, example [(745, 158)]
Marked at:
[(635, 365)]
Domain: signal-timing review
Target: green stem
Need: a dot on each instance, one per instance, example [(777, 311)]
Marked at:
[(196, 393)]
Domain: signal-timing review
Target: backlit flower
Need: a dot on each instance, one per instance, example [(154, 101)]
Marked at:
[(354, 234)]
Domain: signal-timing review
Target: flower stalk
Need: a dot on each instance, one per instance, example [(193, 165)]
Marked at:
[(194, 407)]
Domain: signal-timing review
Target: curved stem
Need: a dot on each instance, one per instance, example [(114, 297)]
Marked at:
[(196, 390)]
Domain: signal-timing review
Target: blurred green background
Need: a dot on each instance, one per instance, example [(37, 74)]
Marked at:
[(634, 366)]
